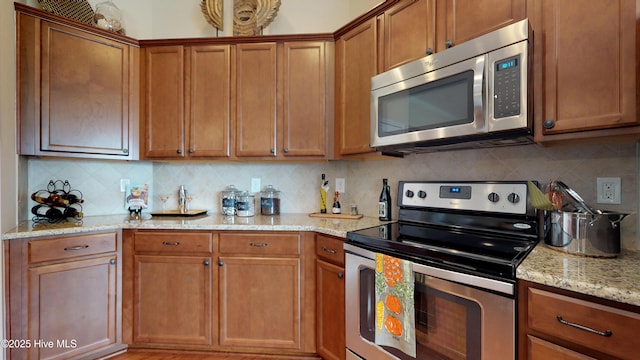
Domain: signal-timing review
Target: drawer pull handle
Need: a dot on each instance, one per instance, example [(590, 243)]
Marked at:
[(171, 243), (79, 247), (259, 244), (330, 251), (582, 327)]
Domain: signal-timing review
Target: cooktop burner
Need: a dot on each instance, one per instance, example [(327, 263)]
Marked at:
[(483, 228)]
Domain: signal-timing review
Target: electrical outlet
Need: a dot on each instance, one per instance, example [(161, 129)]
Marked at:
[(124, 184), (609, 190), (255, 185), (340, 185)]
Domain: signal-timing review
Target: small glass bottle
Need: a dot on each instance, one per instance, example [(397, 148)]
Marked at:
[(384, 202), (336, 204)]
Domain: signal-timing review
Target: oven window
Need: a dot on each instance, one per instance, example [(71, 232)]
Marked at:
[(447, 326), (440, 103)]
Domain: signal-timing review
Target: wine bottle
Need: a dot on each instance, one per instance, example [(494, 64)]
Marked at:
[(336, 204), (72, 212), (384, 202), (324, 189), (47, 211), (72, 198), (52, 200)]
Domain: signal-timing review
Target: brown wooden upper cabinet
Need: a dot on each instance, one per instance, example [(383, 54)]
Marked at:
[(405, 31), (585, 66), (259, 100), (186, 99), (77, 89)]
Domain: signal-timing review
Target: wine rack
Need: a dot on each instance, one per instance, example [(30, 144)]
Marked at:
[(59, 202)]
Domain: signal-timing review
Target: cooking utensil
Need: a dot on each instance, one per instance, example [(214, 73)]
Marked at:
[(586, 234), (539, 200), (575, 199)]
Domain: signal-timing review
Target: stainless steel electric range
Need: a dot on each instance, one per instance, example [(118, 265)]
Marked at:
[(464, 241)]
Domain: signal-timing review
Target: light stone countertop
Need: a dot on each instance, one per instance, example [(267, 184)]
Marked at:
[(282, 222), (616, 279)]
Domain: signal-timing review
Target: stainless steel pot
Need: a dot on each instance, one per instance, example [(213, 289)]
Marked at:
[(596, 235)]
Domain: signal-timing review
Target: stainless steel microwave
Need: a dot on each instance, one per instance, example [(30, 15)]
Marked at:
[(475, 94)]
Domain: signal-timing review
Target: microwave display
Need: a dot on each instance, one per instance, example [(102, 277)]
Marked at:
[(437, 104)]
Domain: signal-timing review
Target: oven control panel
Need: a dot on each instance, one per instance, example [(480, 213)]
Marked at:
[(510, 197)]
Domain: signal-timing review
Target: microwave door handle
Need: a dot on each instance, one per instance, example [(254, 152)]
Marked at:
[(480, 88)]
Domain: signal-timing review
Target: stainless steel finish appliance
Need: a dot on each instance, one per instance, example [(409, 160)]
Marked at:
[(464, 241), (475, 94)]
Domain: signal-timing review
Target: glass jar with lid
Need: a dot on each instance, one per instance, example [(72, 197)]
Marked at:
[(229, 200), (245, 204), (269, 201)]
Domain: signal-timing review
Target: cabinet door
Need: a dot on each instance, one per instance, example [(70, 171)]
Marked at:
[(74, 305), (260, 302), (172, 297), (256, 98), (409, 28), (208, 104), (164, 102), (84, 94), (331, 311), (460, 21), (356, 63), (305, 99), (588, 67)]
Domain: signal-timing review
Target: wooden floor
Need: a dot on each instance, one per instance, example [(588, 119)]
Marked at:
[(167, 355)]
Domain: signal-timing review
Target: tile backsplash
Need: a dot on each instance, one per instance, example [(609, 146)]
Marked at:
[(578, 166)]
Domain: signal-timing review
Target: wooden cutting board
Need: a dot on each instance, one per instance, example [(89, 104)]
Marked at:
[(337, 216)]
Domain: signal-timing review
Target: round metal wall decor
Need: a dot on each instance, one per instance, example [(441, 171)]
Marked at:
[(249, 16)]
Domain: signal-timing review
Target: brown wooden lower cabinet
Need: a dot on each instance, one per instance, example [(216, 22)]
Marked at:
[(561, 324), (330, 297), (244, 291), (63, 296)]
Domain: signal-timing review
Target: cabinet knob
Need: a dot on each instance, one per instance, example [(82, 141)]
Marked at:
[(273, 151), (340, 275), (220, 263), (205, 263), (549, 124), (448, 44), (429, 51), (179, 151), (286, 150), (112, 261), (190, 151), (125, 151)]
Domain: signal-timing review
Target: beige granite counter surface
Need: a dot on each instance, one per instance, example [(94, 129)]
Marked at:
[(283, 222), (616, 279)]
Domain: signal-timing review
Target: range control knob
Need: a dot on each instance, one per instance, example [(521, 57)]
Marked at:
[(422, 194), (513, 198), (493, 197), (409, 193)]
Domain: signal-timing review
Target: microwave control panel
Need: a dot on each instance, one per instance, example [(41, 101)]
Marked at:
[(506, 87)]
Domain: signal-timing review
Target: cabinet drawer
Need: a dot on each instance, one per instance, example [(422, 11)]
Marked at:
[(612, 330), (543, 350), (260, 243), (330, 249), (71, 246), (173, 242)]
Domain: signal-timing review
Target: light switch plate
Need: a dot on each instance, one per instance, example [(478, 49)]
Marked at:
[(340, 186), (255, 185)]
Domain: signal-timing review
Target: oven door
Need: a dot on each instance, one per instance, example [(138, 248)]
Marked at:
[(454, 318)]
